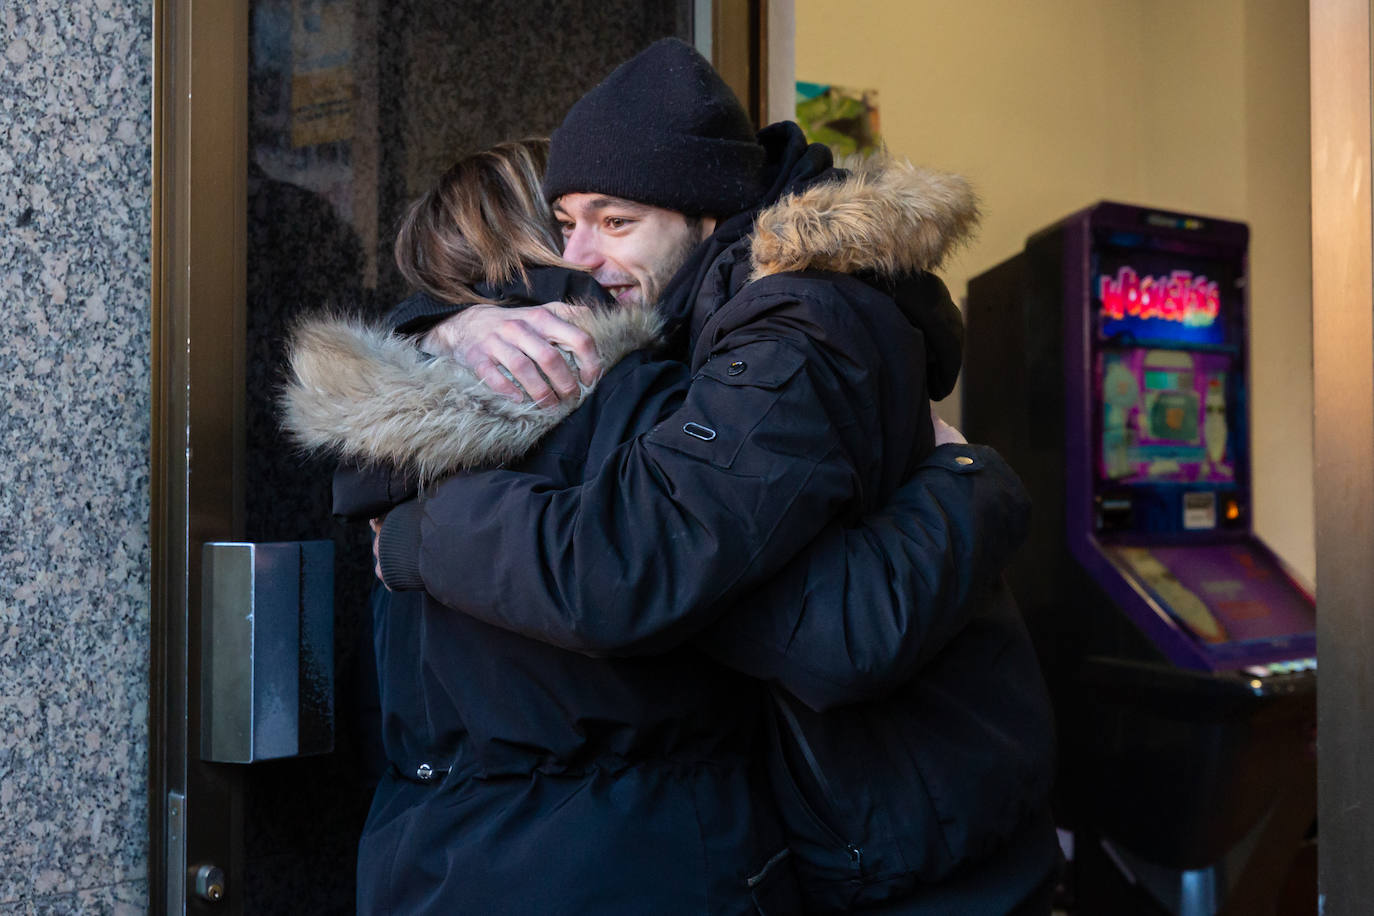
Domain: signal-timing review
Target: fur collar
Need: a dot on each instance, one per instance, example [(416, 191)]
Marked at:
[(362, 394), (883, 215)]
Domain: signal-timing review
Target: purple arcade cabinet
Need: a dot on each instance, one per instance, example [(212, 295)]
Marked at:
[(1107, 361)]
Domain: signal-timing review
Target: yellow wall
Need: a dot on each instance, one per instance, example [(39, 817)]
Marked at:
[(1051, 105)]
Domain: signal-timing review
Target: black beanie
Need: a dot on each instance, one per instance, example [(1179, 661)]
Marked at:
[(662, 129)]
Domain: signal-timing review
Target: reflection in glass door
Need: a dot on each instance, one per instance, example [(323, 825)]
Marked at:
[(355, 107)]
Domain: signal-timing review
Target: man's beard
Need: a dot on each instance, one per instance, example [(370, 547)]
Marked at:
[(651, 290)]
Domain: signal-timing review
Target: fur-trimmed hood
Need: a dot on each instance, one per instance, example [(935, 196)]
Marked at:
[(363, 394), (883, 215), (891, 221)]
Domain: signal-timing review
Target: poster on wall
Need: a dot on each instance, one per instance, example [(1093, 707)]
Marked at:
[(846, 120)]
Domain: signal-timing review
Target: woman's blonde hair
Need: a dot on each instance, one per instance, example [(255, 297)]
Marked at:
[(485, 220)]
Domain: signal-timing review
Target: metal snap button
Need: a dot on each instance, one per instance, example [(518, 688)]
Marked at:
[(963, 459), (424, 771), (736, 367)]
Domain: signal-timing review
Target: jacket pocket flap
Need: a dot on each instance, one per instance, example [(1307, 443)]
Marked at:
[(762, 364)]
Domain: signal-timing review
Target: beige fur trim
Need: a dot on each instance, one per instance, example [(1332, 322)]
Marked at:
[(360, 393), (887, 215)]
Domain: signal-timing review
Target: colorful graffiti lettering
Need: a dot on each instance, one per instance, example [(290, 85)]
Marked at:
[(1181, 297)]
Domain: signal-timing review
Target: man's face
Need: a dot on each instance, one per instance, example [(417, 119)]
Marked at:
[(631, 249)]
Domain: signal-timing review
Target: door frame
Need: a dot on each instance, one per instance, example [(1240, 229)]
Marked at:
[(199, 241), (1343, 398)]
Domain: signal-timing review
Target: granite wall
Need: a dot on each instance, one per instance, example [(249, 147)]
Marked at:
[(75, 132)]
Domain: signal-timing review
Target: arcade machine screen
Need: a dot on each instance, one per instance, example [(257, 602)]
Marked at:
[(1170, 435)]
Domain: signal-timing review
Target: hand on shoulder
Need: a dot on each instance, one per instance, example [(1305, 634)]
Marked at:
[(526, 342), (944, 433)]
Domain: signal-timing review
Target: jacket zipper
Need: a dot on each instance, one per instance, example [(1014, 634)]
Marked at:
[(780, 702)]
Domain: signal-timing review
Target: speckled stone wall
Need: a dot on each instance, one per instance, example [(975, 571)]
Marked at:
[(75, 129)]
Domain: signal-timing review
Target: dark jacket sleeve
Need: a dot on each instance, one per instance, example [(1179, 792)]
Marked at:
[(714, 499), (361, 493), (861, 609)]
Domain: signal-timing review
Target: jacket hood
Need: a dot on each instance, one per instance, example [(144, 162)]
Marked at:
[(891, 223), (363, 394), (885, 216)]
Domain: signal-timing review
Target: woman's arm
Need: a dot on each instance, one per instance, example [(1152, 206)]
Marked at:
[(861, 609)]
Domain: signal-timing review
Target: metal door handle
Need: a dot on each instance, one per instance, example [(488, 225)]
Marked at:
[(267, 651)]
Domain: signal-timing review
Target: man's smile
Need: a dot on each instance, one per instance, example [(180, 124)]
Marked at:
[(618, 286)]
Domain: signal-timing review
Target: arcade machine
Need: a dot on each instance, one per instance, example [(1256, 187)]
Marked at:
[(1108, 363)]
